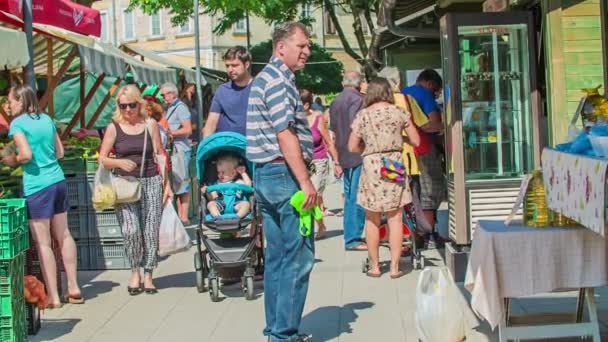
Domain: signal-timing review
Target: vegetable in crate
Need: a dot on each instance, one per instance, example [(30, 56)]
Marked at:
[(35, 292)]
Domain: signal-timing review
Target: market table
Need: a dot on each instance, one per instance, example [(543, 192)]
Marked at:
[(518, 261)]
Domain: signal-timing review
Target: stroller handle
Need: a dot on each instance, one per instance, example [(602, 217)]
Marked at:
[(230, 187)]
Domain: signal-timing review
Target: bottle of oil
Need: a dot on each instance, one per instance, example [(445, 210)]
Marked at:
[(559, 220), (536, 212)]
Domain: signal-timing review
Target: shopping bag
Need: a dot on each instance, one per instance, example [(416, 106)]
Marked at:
[(442, 313), (179, 170), (172, 236), (104, 196)]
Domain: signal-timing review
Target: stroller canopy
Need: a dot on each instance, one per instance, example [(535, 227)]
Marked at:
[(218, 144)]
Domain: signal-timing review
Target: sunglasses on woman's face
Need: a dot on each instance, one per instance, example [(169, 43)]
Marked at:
[(131, 105)]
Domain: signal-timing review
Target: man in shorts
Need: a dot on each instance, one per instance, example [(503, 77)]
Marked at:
[(432, 181)]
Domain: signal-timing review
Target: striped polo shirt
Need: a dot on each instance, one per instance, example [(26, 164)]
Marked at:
[(275, 105)]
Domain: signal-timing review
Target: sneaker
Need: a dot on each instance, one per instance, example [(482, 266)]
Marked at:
[(304, 338)]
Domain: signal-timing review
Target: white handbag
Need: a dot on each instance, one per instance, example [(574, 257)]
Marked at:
[(128, 188)]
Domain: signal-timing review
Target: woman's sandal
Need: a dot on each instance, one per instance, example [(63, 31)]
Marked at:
[(134, 291), (398, 275), (373, 275), (74, 299), (320, 235), (150, 290), (54, 306)]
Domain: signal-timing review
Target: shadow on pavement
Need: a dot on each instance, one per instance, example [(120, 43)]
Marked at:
[(93, 289), (329, 322), (186, 279), (331, 234), (53, 329)]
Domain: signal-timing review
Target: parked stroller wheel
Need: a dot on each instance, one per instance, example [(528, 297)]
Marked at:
[(199, 271), (249, 293), (365, 265), (214, 290)]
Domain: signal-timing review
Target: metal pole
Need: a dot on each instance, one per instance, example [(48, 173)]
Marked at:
[(30, 76), (114, 32), (197, 54), (248, 34)]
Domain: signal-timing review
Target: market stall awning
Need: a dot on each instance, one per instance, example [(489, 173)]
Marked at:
[(14, 52), (60, 13), (152, 56), (142, 71)]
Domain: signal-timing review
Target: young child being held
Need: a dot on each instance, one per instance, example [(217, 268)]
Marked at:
[(229, 202)]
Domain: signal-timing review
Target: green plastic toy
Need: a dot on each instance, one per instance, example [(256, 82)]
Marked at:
[(306, 215)]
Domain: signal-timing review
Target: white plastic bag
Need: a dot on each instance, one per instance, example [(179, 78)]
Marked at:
[(442, 314), (104, 196), (172, 237), (179, 171)]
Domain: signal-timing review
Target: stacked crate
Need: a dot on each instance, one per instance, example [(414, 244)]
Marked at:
[(97, 234), (14, 241)]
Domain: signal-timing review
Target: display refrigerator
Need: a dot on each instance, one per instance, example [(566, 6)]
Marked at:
[(491, 115)]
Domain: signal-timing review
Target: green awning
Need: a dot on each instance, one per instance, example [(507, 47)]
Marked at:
[(14, 53), (152, 56)]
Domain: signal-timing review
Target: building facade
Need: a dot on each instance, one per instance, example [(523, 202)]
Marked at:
[(157, 33)]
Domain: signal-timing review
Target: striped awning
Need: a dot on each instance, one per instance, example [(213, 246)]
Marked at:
[(96, 61), (142, 72), (14, 53), (152, 56)]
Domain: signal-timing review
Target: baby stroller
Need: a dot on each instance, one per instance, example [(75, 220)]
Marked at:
[(412, 223), (218, 257)]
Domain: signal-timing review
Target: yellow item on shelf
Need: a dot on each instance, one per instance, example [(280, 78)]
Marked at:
[(559, 220), (536, 212), (599, 104)]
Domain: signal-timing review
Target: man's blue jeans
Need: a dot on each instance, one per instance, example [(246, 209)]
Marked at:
[(289, 256), (354, 214)]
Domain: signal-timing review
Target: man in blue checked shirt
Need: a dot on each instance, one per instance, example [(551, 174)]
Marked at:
[(279, 141)]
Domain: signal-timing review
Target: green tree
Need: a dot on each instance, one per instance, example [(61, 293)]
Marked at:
[(322, 74), (272, 11)]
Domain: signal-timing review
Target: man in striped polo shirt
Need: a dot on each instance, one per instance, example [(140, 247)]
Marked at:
[(280, 143)]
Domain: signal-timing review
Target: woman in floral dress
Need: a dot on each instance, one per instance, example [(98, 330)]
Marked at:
[(377, 133)]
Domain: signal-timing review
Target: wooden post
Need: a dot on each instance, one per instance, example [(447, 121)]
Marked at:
[(142, 88), (51, 86), (83, 90), (50, 73), (103, 104), (156, 91), (83, 106)]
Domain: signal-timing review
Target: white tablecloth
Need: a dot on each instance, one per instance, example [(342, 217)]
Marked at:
[(516, 261)]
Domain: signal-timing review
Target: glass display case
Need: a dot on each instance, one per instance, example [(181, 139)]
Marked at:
[(489, 71)]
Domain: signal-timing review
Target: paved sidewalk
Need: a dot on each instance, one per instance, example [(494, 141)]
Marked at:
[(343, 304)]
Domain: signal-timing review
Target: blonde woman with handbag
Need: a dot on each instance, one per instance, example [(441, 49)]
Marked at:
[(140, 189)]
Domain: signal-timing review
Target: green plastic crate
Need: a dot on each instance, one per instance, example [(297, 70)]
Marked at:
[(91, 165), (11, 272), (72, 166), (14, 243), (13, 215), (13, 328)]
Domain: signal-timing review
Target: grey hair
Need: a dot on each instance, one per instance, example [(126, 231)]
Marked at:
[(287, 29), (351, 79), (393, 76), (170, 87)]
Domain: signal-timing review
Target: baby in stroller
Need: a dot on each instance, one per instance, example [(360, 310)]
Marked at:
[(229, 201)]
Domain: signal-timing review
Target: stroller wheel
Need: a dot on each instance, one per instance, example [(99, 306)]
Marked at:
[(214, 290), (249, 293), (365, 265)]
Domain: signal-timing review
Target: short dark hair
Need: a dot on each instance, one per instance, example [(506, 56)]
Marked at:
[(287, 29), (430, 75), (306, 96), (239, 52), (378, 90)]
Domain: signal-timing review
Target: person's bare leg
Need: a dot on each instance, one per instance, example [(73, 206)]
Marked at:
[(214, 209), (183, 212), (242, 208), (321, 228), (372, 237), (59, 228), (430, 217), (395, 238), (41, 232)]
